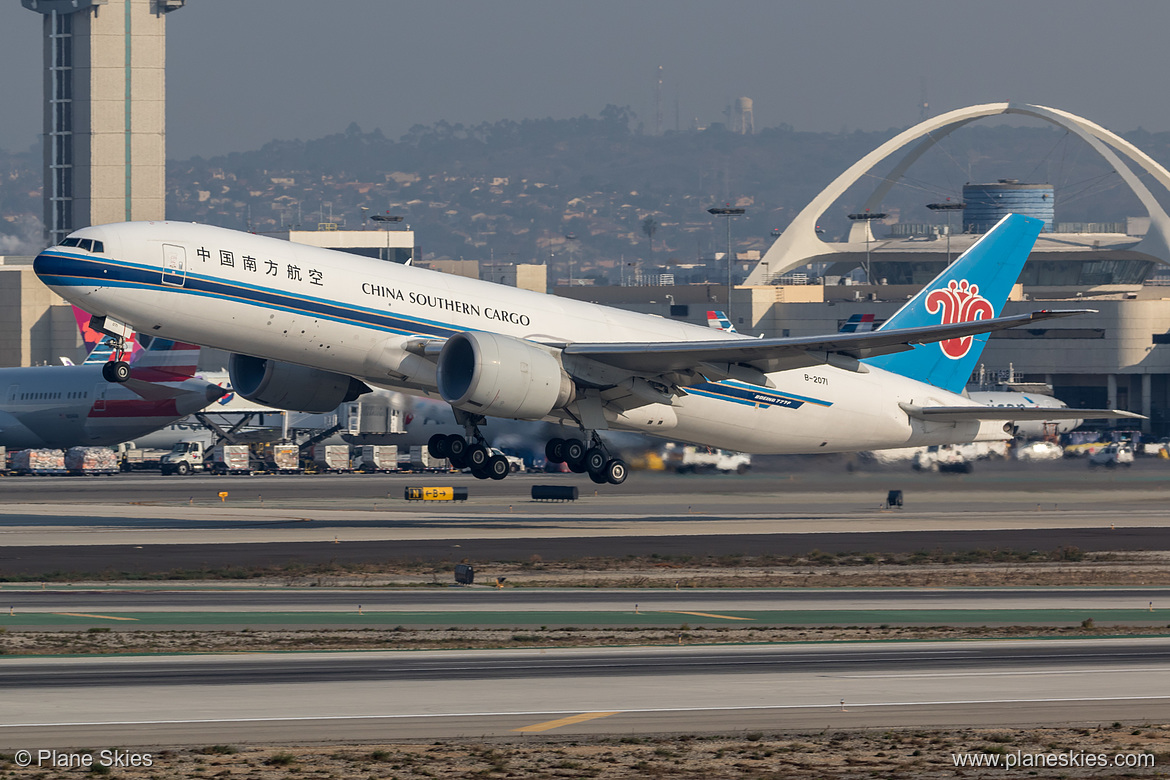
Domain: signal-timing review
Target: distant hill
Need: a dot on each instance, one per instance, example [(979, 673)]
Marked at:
[(515, 190)]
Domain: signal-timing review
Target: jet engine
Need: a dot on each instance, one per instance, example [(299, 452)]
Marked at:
[(289, 386), (489, 374)]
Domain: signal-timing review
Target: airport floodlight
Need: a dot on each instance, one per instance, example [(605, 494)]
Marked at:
[(948, 206), (867, 217), (727, 213)]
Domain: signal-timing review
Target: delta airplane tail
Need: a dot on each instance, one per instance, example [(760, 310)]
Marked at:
[(974, 287)]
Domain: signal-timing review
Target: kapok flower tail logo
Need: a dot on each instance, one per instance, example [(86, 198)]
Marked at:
[(959, 302)]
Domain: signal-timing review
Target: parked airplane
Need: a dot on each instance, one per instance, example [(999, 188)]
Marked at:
[(69, 406), (1060, 422), (329, 324)]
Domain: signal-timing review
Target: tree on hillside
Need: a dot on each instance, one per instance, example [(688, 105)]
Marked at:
[(650, 227)]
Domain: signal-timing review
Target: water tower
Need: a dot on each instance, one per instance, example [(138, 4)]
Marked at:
[(743, 122)]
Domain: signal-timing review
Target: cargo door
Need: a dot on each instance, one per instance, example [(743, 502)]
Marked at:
[(174, 268)]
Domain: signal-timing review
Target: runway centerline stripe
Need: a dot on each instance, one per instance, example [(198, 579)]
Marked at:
[(704, 614), (84, 615), (549, 725)]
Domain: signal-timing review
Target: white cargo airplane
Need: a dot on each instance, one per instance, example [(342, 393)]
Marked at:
[(311, 328)]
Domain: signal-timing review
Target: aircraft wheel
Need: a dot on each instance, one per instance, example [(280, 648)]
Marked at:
[(574, 451), (595, 459), (480, 473), (554, 451), (599, 477), (437, 446), (183, 469), (616, 471), (498, 467), (477, 457), (119, 371), (458, 461), (456, 446)]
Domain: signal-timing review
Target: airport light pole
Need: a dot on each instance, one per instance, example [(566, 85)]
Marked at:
[(727, 213), (867, 217), (948, 206)]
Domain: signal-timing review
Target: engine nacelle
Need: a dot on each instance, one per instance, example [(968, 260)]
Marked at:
[(489, 374), (289, 386)]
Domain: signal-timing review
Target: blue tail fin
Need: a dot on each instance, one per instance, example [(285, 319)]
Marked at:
[(974, 287)]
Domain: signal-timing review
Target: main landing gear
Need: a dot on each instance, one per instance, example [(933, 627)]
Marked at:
[(594, 459), (470, 452)]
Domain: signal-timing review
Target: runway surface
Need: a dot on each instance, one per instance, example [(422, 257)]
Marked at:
[(226, 608), (435, 695), (450, 599), (148, 523)]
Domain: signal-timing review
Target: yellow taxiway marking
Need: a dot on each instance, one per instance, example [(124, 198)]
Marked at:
[(706, 614), (103, 617), (556, 724)]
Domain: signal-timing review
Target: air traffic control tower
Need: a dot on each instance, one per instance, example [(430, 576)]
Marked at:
[(105, 111)]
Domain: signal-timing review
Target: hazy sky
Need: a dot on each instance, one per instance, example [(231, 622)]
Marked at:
[(243, 73)]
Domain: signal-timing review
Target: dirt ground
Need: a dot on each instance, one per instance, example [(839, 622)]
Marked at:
[(105, 641), (834, 755), (1066, 566)]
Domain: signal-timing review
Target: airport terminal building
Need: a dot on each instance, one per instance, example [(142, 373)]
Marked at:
[(1116, 355)]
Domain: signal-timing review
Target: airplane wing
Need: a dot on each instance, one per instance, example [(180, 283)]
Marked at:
[(648, 359), (1013, 413)]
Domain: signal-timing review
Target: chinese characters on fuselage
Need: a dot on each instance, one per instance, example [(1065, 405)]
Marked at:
[(292, 272)]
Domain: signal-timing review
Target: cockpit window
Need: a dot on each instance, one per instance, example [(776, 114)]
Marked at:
[(98, 246), (71, 242)]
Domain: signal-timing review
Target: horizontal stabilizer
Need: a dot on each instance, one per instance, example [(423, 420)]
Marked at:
[(1013, 413), (152, 391)]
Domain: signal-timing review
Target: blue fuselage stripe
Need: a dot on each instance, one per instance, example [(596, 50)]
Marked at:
[(67, 270)]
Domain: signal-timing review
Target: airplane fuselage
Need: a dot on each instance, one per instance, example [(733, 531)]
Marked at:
[(68, 406), (355, 316)]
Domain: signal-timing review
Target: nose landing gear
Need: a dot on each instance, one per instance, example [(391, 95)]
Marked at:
[(117, 370)]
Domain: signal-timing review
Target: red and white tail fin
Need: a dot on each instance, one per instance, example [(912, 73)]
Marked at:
[(719, 321)]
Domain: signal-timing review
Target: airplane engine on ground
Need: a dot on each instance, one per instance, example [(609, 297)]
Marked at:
[(289, 386), (501, 376)]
